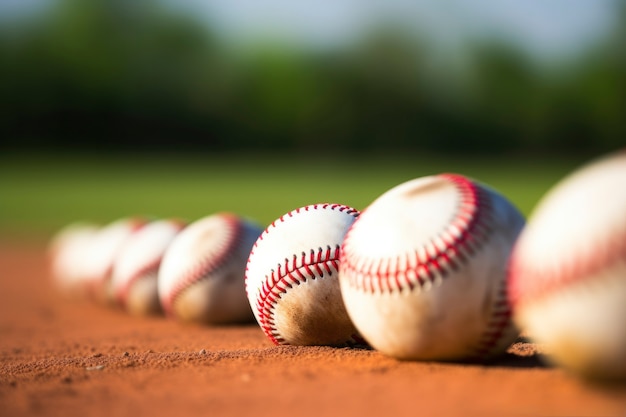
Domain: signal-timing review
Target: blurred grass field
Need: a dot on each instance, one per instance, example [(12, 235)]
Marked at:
[(39, 194)]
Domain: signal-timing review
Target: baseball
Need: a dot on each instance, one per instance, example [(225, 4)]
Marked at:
[(291, 277), (66, 255), (101, 253), (567, 277), (201, 278), (423, 270), (135, 269)]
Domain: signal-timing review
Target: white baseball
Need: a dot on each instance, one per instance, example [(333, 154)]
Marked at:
[(101, 253), (291, 277), (136, 267), (66, 255), (568, 271), (423, 270), (201, 278)]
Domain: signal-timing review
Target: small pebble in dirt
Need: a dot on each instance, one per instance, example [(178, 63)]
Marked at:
[(202, 352), (125, 354), (96, 355), (95, 368)]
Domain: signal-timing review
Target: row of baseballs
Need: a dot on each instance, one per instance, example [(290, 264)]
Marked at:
[(437, 268)]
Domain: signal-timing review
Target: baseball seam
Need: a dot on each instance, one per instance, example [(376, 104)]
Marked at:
[(431, 263), (135, 225), (499, 321), (286, 275), (151, 267), (530, 279), (209, 264), (339, 207), (576, 268)]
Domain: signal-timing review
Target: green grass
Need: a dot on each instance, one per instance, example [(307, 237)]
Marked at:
[(40, 194)]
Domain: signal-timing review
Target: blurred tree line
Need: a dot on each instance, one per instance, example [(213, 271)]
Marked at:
[(120, 75)]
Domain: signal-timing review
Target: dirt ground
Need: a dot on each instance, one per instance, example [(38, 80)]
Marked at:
[(73, 358)]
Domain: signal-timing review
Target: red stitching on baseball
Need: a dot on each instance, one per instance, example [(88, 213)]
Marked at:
[(339, 207), (459, 241), (529, 282), (151, 267), (135, 224), (465, 234), (498, 322), (200, 271), (284, 277)]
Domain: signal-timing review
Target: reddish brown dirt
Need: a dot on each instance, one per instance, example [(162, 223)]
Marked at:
[(70, 358)]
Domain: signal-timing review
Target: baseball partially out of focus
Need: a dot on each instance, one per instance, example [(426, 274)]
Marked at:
[(101, 253), (67, 258), (136, 267), (201, 278), (567, 279)]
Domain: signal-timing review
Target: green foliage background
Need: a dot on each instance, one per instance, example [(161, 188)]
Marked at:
[(122, 75)]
